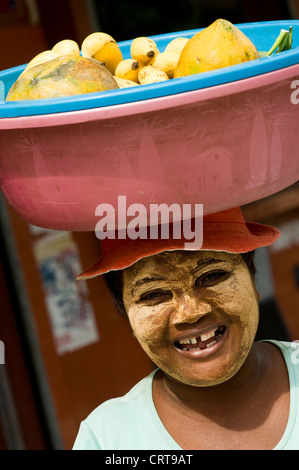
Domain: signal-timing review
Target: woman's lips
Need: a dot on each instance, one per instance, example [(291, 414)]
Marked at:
[(201, 343)]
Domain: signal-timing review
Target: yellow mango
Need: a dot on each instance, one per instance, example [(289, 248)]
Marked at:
[(63, 76), (219, 45)]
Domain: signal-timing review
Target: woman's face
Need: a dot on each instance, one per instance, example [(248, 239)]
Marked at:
[(194, 313)]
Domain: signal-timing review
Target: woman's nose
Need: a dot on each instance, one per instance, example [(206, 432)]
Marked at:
[(190, 309)]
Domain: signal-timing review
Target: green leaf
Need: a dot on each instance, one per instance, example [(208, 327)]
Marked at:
[(279, 40)]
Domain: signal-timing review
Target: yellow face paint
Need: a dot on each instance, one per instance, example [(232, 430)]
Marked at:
[(176, 299)]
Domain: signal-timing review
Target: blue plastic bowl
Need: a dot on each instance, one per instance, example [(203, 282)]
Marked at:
[(262, 34)]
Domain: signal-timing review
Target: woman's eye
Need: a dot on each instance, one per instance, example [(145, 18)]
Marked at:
[(212, 278), (155, 296)]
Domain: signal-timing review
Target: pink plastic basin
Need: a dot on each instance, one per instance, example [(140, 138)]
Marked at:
[(222, 146)]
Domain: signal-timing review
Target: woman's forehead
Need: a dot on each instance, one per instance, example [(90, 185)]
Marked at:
[(179, 259)]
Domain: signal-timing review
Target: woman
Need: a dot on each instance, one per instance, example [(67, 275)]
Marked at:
[(195, 313)]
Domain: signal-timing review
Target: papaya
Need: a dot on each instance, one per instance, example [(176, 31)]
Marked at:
[(219, 45), (62, 76)]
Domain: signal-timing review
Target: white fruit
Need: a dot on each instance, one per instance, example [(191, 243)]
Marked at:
[(176, 45), (93, 43), (66, 47), (103, 48), (123, 83), (166, 61), (128, 69), (149, 74), (143, 49)]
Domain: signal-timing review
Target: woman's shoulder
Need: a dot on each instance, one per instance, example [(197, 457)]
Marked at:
[(290, 352), (118, 422), (289, 349), (133, 399)]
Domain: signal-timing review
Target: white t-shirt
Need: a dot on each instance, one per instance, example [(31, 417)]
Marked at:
[(131, 422)]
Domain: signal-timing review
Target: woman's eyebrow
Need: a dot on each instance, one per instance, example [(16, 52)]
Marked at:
[(146, 280), (206, 262)]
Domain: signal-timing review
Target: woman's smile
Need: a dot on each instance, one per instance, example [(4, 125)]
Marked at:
[(194, 314), (198, 344)]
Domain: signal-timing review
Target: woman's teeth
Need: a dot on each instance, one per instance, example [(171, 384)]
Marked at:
[(201, 342)]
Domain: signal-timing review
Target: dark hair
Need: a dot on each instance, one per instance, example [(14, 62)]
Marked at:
[(114, 282)]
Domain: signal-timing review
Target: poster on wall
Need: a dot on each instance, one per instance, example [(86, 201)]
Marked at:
[(70, 311)]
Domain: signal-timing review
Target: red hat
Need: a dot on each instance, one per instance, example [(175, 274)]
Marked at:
[(222, 231)]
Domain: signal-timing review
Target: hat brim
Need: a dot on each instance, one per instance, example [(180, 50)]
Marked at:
[(243, 237)]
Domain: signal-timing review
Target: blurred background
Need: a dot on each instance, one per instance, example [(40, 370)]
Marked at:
[(63, 348)]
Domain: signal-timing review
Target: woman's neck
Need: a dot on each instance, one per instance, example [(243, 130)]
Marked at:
[(258, 370)]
